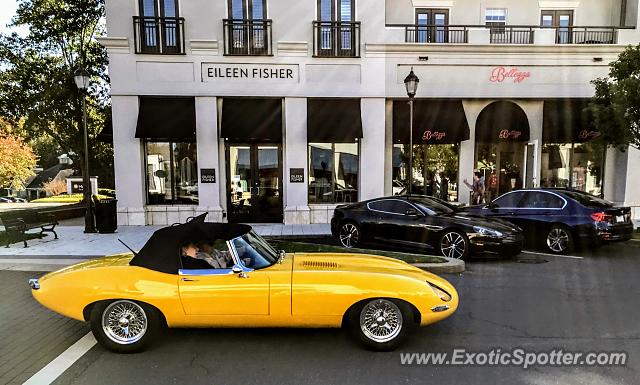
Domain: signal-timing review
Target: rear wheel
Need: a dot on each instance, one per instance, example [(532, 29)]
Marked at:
[(559, 240), (380, 324), (124, 326), (349, 234), (454, 244)]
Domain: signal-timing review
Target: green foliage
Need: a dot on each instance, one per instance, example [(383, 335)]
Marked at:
[(36, 76), (616, 105)]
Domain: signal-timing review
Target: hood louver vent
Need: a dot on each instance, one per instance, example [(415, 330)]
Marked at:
[(320, 265)]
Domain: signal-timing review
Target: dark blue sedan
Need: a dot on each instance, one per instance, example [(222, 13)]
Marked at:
[(560, 219)]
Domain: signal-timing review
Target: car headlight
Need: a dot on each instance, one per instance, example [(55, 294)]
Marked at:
[(443, 295), (485, 231)]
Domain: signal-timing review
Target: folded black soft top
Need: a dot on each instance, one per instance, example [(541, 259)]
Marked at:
[(162, 250)]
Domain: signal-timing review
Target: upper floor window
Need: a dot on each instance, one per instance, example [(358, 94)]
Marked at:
[(495, 17), (335, 32), (336, 10), (247, 9), (158, 29), (561, 20), (430, 25)]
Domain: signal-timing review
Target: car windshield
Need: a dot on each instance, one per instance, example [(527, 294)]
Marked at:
[(588, 199), (254, 252), (432, 206)]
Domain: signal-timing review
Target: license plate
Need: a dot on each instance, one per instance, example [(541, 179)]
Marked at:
[(620, 219)]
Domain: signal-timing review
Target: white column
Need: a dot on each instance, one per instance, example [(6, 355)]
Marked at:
[(534, 111), (632, 191), (467, 149), (296, 206), (372, 148), (388, 148), (129, 164), (615, 174), (207, 141)]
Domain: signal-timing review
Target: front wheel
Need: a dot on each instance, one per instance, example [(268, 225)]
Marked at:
[(559, 240), (454, 244), (380, 324), (124, 326), (349, 234)]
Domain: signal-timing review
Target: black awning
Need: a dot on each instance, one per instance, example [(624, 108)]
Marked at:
[(567, 121), (434, 122), (333, 120), (251, 120), (502, 121), (106, 135), (170, 119)]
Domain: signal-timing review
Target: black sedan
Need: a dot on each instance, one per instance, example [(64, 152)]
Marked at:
[(560, 219), (420, 222)]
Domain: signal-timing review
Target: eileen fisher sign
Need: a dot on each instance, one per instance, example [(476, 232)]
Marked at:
[(253, 72)]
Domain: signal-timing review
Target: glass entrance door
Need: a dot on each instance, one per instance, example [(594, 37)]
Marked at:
[(254, 183)]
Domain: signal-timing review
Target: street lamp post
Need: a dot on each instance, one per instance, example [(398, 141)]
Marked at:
[(82, 80), (411, 84)]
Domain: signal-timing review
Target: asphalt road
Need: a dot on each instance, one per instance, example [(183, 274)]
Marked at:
[(536, 302)]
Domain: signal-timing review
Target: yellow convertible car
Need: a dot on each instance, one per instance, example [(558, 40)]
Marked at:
[(201, 274)]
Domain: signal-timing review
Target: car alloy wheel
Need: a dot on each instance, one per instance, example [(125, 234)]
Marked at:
[(453, 245), (558, 240), (381, 320), (349, 235), (124, 322)]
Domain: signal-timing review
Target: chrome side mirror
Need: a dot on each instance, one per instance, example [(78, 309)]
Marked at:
[(236, 269)]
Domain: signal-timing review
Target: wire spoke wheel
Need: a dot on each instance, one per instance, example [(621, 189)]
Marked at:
[(381, 320), (453, 245), (558, 240), (124, 322), (349, 235)]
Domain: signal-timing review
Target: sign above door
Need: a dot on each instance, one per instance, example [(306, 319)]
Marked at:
[(281, 73)]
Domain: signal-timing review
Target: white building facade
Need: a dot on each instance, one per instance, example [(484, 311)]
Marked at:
[(278, 110)]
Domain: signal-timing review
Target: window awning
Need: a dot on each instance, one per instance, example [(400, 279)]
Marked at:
[(567, 121), (434, 122), (502, 121), (333, 120), (171, 119), (252, 119)]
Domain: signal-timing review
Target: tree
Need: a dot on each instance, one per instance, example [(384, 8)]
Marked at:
[(36, 76), (16, 161), (616, 105)]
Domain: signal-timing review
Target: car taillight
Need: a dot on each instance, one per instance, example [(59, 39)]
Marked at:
[(601, 217)]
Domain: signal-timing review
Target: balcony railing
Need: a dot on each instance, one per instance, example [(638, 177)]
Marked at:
[(336, 39), (586, 35), (508, 34), (436, 34), (159, 35), (243, 37)]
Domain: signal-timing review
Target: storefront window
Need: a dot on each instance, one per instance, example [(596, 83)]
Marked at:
[(501, 167), (435, 170), (172, 173), (573, 165), (333, 172)]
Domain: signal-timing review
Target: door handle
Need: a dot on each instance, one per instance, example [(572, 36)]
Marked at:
[(189, 280)]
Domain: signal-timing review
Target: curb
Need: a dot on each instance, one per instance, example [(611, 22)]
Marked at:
[(451, 266)]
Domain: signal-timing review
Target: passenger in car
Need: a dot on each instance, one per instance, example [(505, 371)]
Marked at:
[(193, 251)]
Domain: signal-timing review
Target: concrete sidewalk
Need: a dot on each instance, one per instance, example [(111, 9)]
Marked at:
[(73, 242)]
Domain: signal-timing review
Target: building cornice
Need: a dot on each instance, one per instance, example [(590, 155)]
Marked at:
[(293, 48), (204, 47), (115, 44), (405, 49)]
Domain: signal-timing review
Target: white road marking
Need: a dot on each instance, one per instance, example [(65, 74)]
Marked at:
[(55, 368), (552, 255)]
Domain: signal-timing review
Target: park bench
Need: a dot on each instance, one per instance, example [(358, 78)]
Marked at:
[(16, 224)]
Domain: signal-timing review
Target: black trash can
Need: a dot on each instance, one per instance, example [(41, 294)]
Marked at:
[(106, 216)]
